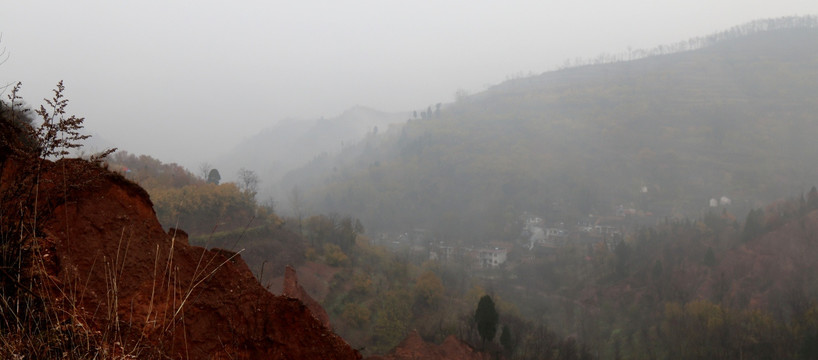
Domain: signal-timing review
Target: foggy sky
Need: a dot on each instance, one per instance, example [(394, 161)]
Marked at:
[(184, 81)]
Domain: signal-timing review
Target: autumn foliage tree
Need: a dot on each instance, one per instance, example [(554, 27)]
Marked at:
[(202, 208), (393, 316), (428, 289)]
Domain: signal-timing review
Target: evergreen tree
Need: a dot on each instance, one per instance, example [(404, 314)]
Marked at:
[(213, 177), (623, 258), (710, 257), (505, 340), (754, 225), (486, 318), (812, 199)]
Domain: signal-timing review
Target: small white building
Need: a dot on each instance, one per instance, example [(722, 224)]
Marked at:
[(492, 258)]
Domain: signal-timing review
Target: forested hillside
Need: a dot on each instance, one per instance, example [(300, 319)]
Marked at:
[(733, 117)]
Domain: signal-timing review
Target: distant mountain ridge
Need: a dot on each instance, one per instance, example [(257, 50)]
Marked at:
[(733, 118), (291, 143)]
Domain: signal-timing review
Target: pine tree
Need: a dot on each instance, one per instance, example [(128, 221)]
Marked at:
[(812, 199), (709, 257), (505, 339), (754, 225), (214, 177), (486, 318)]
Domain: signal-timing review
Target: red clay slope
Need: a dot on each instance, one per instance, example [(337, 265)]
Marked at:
[(116, 271), (294, 290)]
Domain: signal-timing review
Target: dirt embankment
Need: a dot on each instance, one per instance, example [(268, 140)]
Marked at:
[(294, 290), (107, 262)]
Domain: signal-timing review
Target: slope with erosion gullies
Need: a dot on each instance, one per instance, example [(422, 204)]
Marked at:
[(276, 150), (734, 118), (105, 268)]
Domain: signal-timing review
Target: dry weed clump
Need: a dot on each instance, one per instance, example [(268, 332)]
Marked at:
[(38, 314)]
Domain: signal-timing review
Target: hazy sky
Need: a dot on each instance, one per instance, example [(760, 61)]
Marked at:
[(186, 80)]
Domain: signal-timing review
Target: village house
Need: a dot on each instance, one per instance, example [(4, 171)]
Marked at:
[(481, 258), (492, 257)]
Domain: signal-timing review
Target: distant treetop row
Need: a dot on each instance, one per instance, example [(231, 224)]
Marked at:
[(753, 27)]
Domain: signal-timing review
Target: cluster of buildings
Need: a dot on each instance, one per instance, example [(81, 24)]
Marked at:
[(723, 201), (490, 257), (420, 244), (536, 234)]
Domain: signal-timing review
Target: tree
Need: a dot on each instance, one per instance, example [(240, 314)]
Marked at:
[(213, 177), (709, 258), (296, 200), (204, 170), (334, 256), (356, 314), (393, 316), (248, 182), (486, 318), (754, 225), (428, 289), (505, 340), (623, 258), (269, 203), (812, 199), (198, 208)]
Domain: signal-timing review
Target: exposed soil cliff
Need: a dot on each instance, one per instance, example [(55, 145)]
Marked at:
[(103, 258), (294, 290)]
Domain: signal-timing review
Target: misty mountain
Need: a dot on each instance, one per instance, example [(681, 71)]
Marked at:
[(291, 143), (734, 117)]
